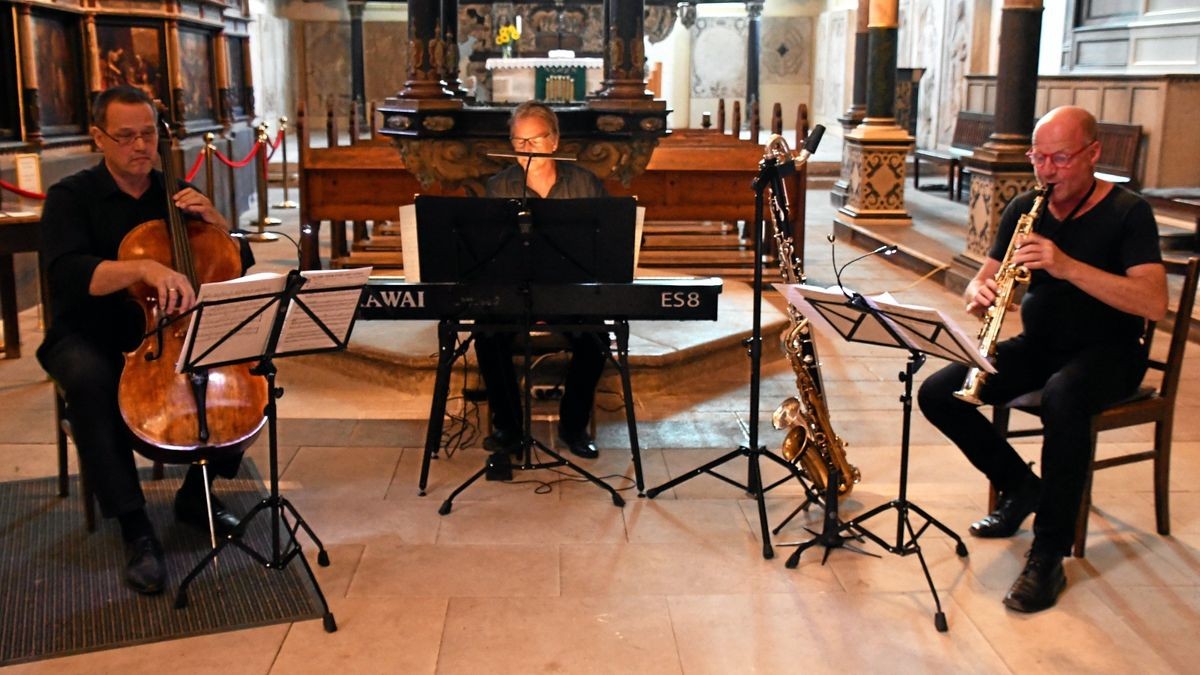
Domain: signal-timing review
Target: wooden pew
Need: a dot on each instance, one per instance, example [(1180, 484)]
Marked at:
[(971, 130)]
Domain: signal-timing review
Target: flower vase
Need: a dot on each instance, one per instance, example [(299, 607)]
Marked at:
[(506, 50)]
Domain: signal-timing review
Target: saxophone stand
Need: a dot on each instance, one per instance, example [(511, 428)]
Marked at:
[(284, 516), (918, 331), (769, 171), (830, 536)]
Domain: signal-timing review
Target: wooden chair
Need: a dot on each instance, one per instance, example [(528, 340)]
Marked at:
[(1149, 405), (63, 427)]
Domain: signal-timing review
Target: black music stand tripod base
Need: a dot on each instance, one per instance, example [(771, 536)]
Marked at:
[(830, 536), (279, 509)]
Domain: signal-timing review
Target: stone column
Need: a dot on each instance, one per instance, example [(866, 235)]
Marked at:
[(754, 9), (426, 56), (449, 27), (877, 148), (358, 87), (858, 103), (624, 52), (681, 84), (29, 77), (999, 169)]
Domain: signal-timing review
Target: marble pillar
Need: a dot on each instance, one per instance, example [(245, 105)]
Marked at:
[(875, 151), (999, 169), (858, 103)]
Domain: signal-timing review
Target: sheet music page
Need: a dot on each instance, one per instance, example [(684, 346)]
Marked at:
[(928, 329), (335, 309), (409, 249), (249, 341)]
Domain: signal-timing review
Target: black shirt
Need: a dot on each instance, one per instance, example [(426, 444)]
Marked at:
[(1116, 234), (84, 219), (571, 182)]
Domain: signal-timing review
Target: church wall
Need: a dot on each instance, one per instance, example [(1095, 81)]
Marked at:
[(833, 77)]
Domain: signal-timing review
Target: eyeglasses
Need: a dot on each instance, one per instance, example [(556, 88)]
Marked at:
[(1060, 159), (126, 138), (526, 142)]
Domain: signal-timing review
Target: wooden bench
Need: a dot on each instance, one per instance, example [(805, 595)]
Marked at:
[(1183, 203), (1120, 145), (971, 130)]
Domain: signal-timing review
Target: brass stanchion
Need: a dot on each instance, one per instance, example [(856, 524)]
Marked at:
[(209, 154), (261, 182), (286, 203)]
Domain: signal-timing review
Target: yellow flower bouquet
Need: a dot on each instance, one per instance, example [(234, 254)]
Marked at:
[(507, 37)]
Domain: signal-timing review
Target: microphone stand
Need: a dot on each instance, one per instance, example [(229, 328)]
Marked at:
[(771, 172)]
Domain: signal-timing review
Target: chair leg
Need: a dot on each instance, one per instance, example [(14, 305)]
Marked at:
[(89, 501), (1085, 505), (60, 414), (1162, 476)]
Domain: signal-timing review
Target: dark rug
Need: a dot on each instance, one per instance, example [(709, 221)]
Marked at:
[(61, 589)]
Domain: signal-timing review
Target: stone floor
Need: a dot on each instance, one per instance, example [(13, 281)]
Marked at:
[(523, 578)]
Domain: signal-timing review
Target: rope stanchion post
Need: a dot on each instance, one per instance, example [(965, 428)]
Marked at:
[(210, 183), (261, 182), (286, 203)]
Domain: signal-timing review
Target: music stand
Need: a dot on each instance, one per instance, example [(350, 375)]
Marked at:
[(771, 173), (494, 243), (919, 331), (299, 323)]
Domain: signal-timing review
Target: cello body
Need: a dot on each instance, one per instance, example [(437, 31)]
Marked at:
[(183, 417)]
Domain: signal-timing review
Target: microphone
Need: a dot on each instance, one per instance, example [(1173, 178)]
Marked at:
[(885, 250), (514, 154), (810, 145)]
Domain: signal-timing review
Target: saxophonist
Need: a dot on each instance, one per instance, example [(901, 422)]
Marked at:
[(1096, 276)]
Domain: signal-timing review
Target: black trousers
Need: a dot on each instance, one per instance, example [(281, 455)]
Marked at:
[(495, 354), (1074, 386), (89, 374)]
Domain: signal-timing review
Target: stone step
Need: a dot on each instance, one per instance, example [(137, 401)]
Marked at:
[(691, 242)]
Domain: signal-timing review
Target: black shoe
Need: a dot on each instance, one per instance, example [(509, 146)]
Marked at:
[(499, 467), (1012, 508), (580, 445), (146, 571), (189, 509), (502, 441), (1039, 584)]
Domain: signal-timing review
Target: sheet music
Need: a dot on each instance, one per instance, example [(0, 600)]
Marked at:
[(335, 309), (409, 249), (929, 330), (219, 319)]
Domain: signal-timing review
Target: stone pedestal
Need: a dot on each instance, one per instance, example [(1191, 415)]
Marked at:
[(873, 160)]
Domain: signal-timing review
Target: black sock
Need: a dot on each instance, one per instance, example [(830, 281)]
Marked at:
[(135, 524)]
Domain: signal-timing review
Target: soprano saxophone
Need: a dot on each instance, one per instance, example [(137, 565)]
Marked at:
[(811, 441), (1008, 278)]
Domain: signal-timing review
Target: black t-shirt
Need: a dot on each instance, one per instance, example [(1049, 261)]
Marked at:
[(1116, 234), (571, 182), (84, 219)]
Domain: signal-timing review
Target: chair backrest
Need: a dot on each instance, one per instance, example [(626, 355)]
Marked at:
[(1173, 366), (972, 129)]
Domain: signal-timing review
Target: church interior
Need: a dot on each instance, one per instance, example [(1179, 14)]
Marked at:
[(871, 144)]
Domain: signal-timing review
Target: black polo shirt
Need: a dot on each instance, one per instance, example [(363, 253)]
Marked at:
[(1116, 234), (84, 219)]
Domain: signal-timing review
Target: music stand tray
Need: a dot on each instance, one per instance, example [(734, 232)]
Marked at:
[(260, 318), (919, 331)]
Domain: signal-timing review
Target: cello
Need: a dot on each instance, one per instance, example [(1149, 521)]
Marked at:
[(207, 414)]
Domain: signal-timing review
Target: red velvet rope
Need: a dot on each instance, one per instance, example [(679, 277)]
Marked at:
[(191, 174), (23, 193), (244, 162)]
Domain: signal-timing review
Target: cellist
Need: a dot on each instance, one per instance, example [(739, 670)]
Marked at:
[(94, 320)]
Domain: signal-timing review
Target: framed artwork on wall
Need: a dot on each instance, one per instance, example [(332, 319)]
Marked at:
[(10, 111), (237, 76), (133, 54), (199, 85), (58, 58)]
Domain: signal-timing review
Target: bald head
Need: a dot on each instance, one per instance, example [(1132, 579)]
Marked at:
[(1068, 118)]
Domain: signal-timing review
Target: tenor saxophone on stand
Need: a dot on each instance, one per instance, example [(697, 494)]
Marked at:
[(1008, 278), (811, 441)]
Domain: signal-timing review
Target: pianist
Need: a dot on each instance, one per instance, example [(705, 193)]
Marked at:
[(533, 127)]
